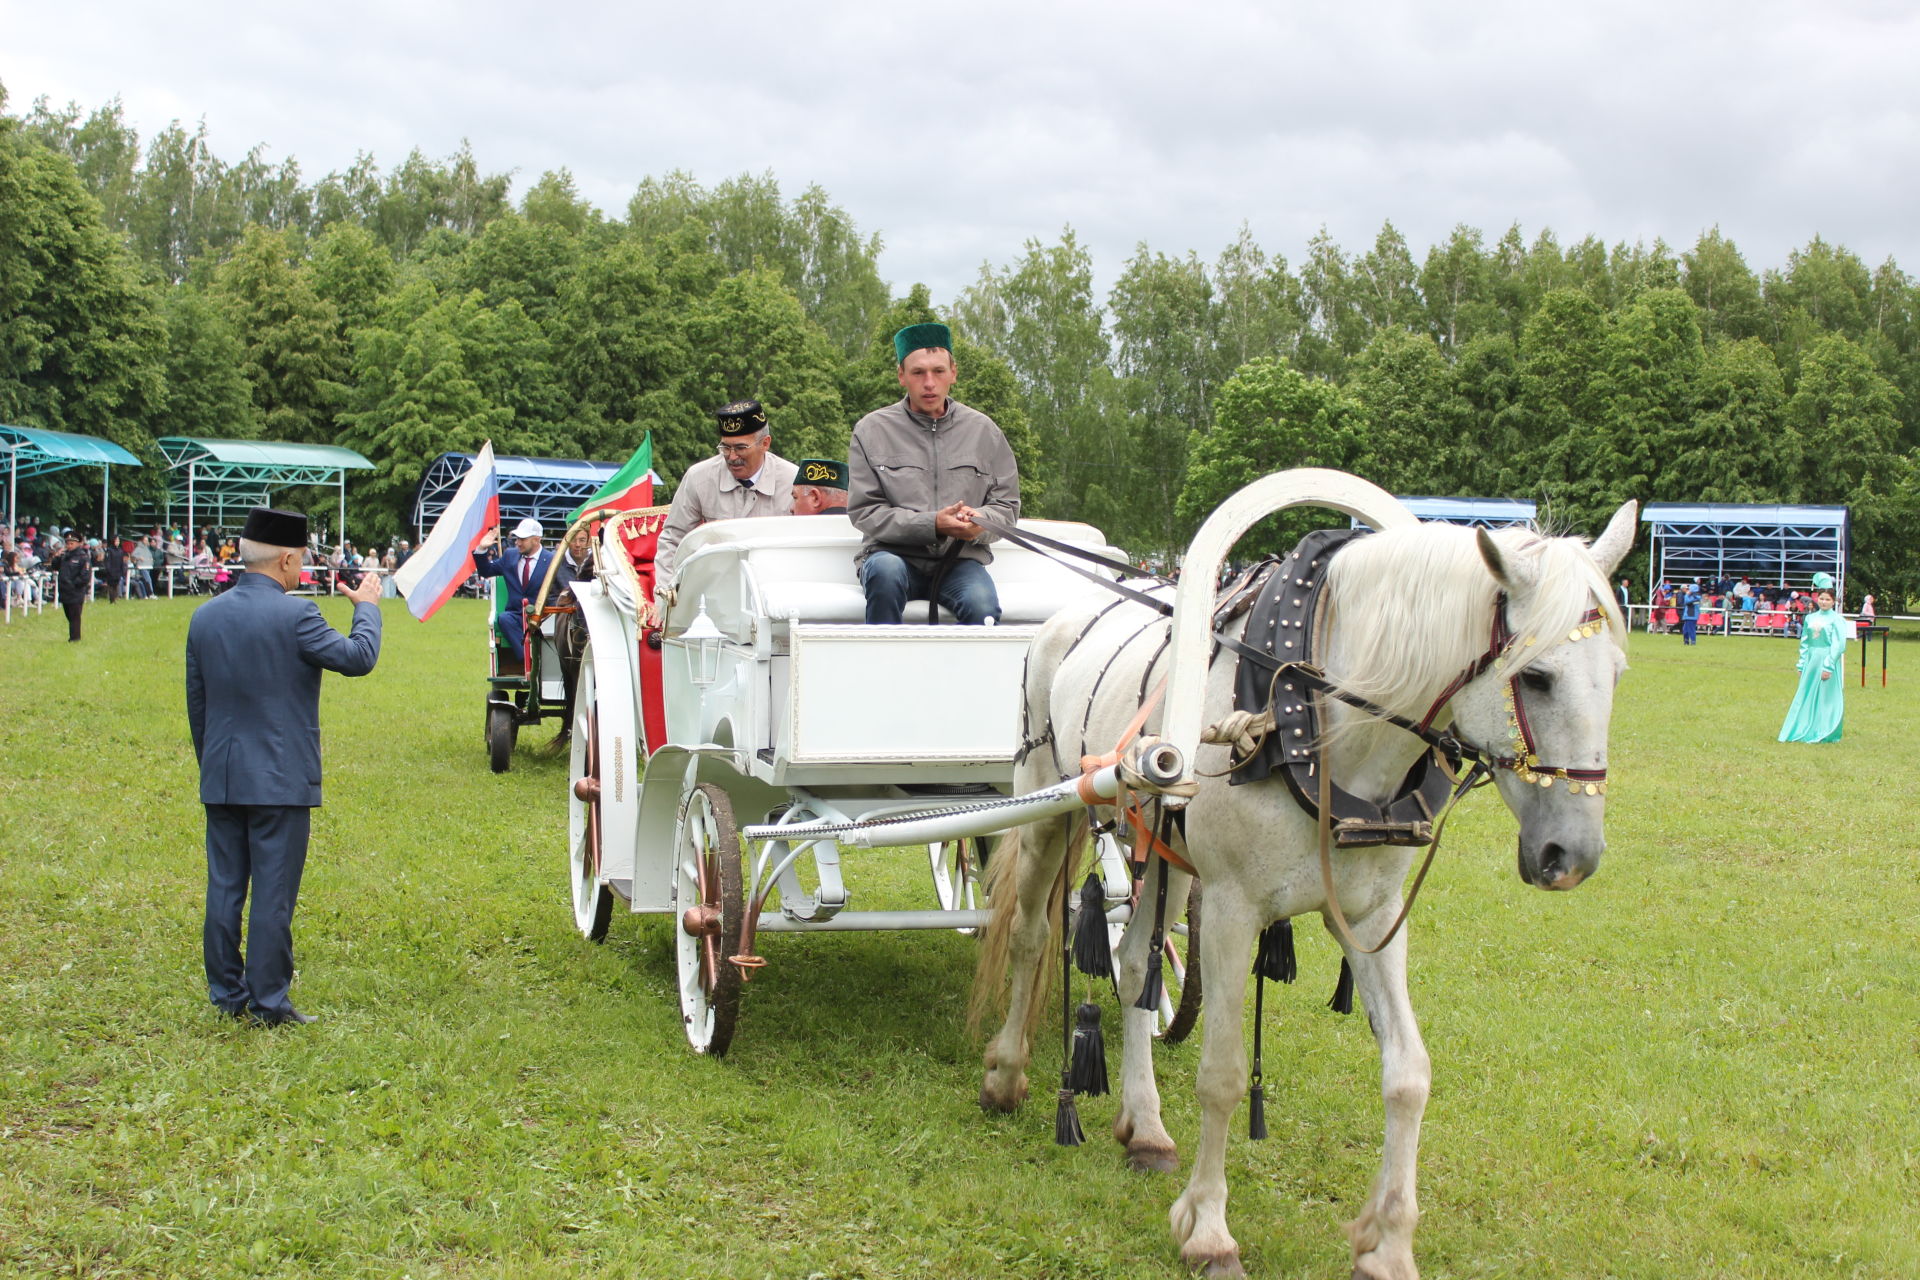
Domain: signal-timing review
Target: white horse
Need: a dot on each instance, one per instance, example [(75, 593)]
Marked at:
[(1412, 610)]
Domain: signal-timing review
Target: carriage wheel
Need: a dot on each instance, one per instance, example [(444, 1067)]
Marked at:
[(499, 736), (707, 910), (956, 866), (592, 901)]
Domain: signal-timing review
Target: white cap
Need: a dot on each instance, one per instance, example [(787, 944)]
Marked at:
[(528, 528)]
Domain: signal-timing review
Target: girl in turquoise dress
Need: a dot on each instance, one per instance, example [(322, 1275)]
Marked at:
[(1817, 706)]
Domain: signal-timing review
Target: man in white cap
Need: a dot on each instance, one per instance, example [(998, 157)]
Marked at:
[(524, 567)]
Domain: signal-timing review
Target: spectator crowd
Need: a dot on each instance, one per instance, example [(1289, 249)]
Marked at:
[(162, 562)]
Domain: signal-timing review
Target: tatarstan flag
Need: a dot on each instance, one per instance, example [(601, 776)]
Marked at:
[(629, 489)]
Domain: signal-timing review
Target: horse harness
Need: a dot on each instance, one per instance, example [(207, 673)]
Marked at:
[(1277, 718)]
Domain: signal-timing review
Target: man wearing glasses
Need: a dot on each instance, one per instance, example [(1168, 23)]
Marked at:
[(746, 479)]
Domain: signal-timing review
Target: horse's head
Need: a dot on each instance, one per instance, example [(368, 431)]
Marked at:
[(1544, 706)]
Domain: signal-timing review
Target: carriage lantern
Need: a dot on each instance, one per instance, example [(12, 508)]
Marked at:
[(703, 639)]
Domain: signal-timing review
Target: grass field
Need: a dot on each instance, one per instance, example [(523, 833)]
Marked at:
[(1704, 1063)]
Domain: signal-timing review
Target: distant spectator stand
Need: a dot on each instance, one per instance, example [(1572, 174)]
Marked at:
[(1771, 546), (216, 482), (543, 489), (35, 451)]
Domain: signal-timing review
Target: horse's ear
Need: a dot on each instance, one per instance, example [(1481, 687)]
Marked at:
[(1496, 564), (1612, 546)]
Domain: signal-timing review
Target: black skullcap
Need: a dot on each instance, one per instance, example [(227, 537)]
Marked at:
[(276, 528), (741, 418)]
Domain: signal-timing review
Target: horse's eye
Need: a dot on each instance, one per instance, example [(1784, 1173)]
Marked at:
[(1537, 681)]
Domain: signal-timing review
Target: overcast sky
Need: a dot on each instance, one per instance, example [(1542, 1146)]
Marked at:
[(960, 131)]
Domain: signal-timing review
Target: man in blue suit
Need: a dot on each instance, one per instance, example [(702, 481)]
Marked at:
[(254, 658), (524, 567)]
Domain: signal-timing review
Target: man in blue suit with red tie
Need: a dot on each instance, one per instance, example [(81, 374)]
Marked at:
[(254, 658), (524, 568)]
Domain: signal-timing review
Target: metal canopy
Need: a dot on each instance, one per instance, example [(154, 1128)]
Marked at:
[(1771, 545), (547, 489), (35, 451), (1484, 513), (227, 478)]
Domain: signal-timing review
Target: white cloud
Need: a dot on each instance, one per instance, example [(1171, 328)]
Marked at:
[(959, 134)]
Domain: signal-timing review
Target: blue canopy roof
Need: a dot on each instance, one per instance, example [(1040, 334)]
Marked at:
[(545, 489), (1491, 513), (36, 450), (1744, 514)]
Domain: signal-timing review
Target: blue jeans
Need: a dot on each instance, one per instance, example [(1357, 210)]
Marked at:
[(890, 581)]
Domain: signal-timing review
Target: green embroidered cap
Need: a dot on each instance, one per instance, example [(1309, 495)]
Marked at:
[(825, 472), (917, 337)]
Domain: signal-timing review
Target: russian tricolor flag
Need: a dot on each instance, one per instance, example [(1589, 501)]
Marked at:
[(445, 560)]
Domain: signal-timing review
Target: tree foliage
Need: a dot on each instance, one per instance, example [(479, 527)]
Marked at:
[(152, 287)]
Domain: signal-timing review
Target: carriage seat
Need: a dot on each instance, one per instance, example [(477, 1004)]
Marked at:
[(803, 566)]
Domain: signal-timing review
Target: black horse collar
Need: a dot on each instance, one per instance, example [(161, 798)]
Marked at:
[(1284, 623)]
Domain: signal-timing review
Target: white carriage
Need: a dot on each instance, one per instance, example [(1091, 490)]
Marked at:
[(760, 703)]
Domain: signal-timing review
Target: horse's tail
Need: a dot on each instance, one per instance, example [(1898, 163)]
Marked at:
[(991, 981)]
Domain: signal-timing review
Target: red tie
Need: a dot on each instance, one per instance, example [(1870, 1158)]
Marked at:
[(526, 574)]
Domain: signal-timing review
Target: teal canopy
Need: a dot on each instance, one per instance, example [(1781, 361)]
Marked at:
[(221, 480), (35, 451)]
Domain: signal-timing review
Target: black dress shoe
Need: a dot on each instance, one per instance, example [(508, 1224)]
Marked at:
[(290, 1016), (238, 1012)]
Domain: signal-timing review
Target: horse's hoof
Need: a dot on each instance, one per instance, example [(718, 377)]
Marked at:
[(1146, 1158), (1376, 1267), (993, 1100), (1215, 1265)]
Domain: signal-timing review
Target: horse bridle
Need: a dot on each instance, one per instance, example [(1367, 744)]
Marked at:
[(1524, 763)]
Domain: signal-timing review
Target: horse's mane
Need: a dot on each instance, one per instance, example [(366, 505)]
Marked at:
[(1414, 605)]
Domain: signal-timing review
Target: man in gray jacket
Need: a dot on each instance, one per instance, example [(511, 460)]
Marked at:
[(919, 471), (254, 658), (746, 479)]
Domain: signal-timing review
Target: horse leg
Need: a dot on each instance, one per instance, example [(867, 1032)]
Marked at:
[(1037, 857), (1199, 1216), (1137, 1125), (1382, 1236)]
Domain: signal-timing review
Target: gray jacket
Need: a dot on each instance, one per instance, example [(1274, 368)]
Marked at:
[(708, 491), (903, 466), (254, 658)]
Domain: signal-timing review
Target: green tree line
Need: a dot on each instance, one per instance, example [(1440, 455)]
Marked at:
[(152, 289)]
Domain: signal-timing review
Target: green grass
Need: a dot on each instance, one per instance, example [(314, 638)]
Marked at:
[(1703, 1063)]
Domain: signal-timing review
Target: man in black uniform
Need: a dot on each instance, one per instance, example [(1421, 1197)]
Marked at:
[(75, 569), (254, 658)]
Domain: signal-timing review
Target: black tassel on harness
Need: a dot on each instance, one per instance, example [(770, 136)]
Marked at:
[(1092, 953), (1089, 1071), (1274, 960), (1257, 1096), (1151, 989), (1066, 1121), (1342, 1001), (1066, 1117)]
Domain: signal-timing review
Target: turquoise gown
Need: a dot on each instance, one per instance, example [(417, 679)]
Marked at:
[(1818, 705)]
